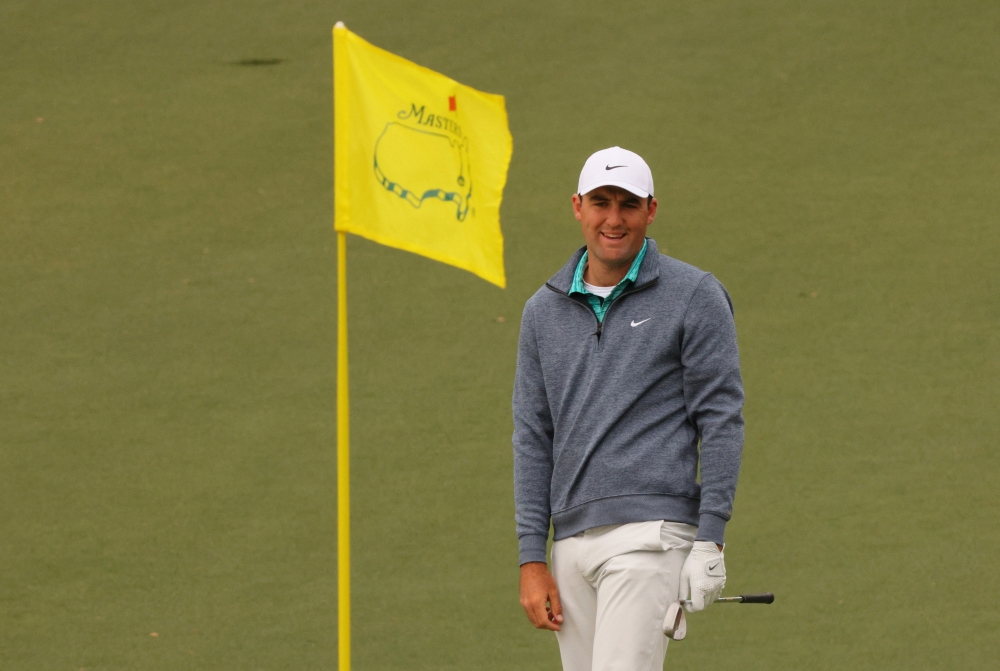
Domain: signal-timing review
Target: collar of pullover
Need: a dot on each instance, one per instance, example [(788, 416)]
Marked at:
[(649, 269)]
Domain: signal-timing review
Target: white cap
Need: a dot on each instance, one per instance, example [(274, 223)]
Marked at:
[(616, 167)]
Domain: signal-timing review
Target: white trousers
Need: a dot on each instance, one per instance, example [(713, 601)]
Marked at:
[(615, 584)]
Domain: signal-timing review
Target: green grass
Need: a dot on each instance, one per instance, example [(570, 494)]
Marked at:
[(167, 328)]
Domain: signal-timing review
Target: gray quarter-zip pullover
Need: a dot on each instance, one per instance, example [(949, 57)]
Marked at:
[(609, 417)]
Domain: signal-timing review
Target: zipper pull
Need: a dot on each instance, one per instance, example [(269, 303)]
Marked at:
[(597, 333)]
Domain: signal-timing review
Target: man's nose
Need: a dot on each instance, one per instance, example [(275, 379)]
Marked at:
[(615, 214)]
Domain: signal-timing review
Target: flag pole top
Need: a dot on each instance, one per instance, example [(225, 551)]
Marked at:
[(339, 24)]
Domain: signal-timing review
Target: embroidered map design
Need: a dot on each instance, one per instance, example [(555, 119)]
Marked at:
[(419, 165)]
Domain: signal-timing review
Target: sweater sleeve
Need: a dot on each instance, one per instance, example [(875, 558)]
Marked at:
[(713, 392), (533, 431)]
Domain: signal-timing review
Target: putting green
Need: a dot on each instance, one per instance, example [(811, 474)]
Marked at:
[(167, 328)]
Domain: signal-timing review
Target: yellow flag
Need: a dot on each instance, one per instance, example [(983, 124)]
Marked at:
[(420, 161)]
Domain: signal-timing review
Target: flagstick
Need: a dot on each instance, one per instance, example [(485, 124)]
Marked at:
[(343, 465)]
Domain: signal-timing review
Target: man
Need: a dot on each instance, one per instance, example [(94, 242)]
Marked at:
[(627, 382)]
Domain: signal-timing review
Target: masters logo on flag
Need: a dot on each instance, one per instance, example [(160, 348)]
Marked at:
[(420, 161), (443, 166)]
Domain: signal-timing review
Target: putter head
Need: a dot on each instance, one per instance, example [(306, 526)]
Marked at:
[(675, 624)]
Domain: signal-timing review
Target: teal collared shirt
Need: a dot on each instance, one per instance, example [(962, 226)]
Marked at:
[(598, 304)]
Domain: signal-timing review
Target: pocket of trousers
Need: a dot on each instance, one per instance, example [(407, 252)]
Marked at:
[(625, 538), (677, 536)]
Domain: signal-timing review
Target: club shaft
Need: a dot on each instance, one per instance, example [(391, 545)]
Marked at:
[(767, 597)]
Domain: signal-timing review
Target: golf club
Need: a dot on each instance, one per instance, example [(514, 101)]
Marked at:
[(675, 624)]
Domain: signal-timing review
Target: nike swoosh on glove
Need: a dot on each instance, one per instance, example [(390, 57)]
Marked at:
[(703, 576)]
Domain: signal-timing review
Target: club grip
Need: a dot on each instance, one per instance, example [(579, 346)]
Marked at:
[(766, 597)]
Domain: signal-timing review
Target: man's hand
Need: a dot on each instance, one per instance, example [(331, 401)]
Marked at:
[(703, 576), (540, 597)]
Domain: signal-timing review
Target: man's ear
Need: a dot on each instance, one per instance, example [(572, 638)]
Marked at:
[(652, 212), (577, 204)]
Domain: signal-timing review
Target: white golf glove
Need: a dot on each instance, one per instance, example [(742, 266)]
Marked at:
[(703, 576)]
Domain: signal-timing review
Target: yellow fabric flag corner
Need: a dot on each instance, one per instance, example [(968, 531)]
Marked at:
[(420, 161)]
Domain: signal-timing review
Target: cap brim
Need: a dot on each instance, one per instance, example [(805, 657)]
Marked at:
[(631, 188)]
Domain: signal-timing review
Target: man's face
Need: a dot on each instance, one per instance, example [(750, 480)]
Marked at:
[(614, 223)]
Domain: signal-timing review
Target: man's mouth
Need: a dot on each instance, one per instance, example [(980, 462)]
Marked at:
[(613, 236)]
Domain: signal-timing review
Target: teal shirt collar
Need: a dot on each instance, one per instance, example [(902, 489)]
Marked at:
[(633, 272), (597, 304)]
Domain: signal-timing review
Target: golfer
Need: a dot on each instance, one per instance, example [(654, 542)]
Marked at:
[(628, 383)]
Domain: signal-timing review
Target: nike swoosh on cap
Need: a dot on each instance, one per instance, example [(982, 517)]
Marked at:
[(612, 167)]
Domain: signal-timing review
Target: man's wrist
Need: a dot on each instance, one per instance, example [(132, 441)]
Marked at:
[(532, 548), (711, 528)]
